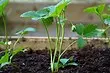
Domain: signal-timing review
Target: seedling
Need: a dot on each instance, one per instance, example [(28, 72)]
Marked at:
[(104, 17), (56, 13), (10, 51)]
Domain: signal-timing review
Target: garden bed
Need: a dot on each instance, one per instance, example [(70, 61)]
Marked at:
[(93, 58)]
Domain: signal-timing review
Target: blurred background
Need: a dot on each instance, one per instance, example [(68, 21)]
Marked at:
[(74, 14)]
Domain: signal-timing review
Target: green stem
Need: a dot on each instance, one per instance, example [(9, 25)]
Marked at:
[(16, 43), (5, 27), (66, 49), (49, 44)]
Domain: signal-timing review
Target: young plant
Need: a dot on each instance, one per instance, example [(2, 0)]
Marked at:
[(104, 17), (10, 51), (47, 16)]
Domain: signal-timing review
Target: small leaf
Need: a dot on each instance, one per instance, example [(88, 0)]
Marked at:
[(100, 8), (81, 42), (75, 64), (26, 31), (80, 29), (64, 61), (107, 21)]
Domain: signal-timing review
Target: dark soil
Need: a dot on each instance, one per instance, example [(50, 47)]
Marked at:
[(90, 60)]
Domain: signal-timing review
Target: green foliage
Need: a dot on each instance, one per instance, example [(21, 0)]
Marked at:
[(89, 30), (7, 57), (3, 4), (47, 12), (81, 42), (65, 62), (107, 21), (95, 10)]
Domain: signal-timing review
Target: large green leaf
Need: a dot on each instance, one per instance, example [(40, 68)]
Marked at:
[(59, 8), (89, 28), (3, 4), (95, 33), (81, 42), (36, 15), (95, 10)]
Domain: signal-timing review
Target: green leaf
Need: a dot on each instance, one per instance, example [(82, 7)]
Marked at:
[(89, 28), (56, 11), (36, 15), (95, 10), (48, 21), (64, 61), (26, 31), (3, 64), (105, 16), (15, 51), (95, 33), (91, 10), (2, 43), (75, 64), (107, 21), (4, 58), (80, 29), (100, 8), (30, 14), (3, 4), (81, 42)]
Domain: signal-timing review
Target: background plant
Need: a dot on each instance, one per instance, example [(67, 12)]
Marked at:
[(10, 51)]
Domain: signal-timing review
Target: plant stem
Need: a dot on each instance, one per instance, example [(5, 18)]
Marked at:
[(16, 43), (49, 44), (5, 27), (66, 49), (57, 40)]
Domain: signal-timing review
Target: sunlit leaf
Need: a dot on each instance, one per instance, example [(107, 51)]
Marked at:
[(95, 10)]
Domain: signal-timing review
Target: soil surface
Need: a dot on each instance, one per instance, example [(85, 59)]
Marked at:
[(90, 60)]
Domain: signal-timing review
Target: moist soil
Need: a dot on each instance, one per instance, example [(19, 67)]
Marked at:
[(89, 59)]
